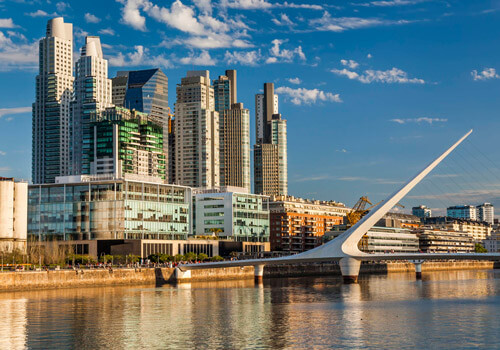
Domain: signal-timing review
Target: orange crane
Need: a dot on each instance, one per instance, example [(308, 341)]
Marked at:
[(359, 210), (170, 115)]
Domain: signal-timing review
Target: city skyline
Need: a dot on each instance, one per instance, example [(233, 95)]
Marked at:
[(349, 159)]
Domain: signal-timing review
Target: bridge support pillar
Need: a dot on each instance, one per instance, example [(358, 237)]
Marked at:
[(258, 273), (349, 267), (181, 276), (418, 268)]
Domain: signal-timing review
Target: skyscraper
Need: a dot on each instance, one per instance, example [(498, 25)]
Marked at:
[(92, 94), (196, 132), (462, 212), (234, 133), (51, 125), (270, 151), (486, 213), (422, 211)]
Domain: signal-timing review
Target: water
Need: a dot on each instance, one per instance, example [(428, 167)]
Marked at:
[(447, 310)]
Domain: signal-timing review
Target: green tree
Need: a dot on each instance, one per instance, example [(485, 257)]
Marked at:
[(202, 257), (478, 248), (178, 257), (217, 258), (190, 256)]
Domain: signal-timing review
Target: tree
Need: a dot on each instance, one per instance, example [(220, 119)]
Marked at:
[(217, 258), (478, 248), (233, 254), (190, 256), (202, 257), (178, 257)]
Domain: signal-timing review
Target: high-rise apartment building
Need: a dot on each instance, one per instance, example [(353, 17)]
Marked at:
[(124, 141), (196, 132), (51, 126), (234, 133), (467, 212), (92, 95), (270, 152), (486, 212), (13, 214), (422, 211)]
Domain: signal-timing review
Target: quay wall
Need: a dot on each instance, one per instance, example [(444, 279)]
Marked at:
[(32, 280)]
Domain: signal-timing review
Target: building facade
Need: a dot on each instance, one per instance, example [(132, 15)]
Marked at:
[(479, 230), (51, 124), (13, 215), (486, 212), (92, 207), (444, 241), (92, 95), (231, 213), (196, 132), (422, 211), (467, 212), (126, 142), (299, 224)]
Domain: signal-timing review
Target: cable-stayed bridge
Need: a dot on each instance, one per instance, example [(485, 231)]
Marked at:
[(344, 248)]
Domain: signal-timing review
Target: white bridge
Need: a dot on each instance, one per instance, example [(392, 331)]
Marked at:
[(344, 248)]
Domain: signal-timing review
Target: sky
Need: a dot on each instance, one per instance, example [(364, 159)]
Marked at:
[(372, 90)]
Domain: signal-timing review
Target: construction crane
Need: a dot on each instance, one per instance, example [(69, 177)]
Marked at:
[(359, 210), (170, 115)]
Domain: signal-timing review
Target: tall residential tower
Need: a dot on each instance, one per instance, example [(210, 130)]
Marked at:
[(51, 124), (234, 133), (270, 151), (92, 95), (196, 132)]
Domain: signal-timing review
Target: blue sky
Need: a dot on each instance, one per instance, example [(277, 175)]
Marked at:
[(372, 90)]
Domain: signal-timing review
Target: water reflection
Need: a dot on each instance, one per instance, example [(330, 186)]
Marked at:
[(445, 309)]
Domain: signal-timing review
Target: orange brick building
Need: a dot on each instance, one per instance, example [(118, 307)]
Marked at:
[(297, 224)]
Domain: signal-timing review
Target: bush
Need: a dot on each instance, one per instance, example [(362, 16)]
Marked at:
[(478, 248), (202, 257), (131, 259), (178, 257), (190, 256), (217, 258)]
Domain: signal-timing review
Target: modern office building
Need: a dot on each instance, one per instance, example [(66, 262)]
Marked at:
[(231, 213), (51, 125), (90, 207), (196, 132), (444, 241), (92, 95), (13, 214), (479, 230), (299, 224), (422, 211), (126, 142), (486, 212), (467, 212), (234, 133), (270, 152)]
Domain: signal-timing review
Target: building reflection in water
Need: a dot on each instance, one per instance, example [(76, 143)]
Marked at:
[(13, 330)]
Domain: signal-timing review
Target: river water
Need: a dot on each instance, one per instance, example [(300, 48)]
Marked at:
[(446, 310)]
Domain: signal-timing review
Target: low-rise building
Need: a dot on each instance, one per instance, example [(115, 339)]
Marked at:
[(399, 220), (13, 214), (105, 207), (384, 240), (298, 224), (444, 241), (479, 230), (231, 213)]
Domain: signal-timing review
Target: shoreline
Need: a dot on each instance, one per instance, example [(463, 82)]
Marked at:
[(36, 280)]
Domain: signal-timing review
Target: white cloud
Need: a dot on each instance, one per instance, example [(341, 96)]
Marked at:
[(90, 18), (294, 80), (247, 58), (342, 150), (284, 55), (41, 13), (62, 6), (7, 23), (390, 3), (107, 31), (419, 120), (132, 16), (305, 96), (369, 55), (394, 75), (203, 59), (246, 4), (350, 63), (205, 6), (285, 20), (140, 57), (299, 6), (215, 41), (485, 74), (339, 24), (16, 110), (179, 16), (3, 153), (17, 54)]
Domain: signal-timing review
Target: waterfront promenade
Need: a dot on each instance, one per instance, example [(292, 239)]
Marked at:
[(30, 280)]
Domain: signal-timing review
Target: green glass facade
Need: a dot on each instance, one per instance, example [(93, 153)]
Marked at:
[(117, 209)]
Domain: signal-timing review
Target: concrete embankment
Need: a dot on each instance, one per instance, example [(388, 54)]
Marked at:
[(12, 281)]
